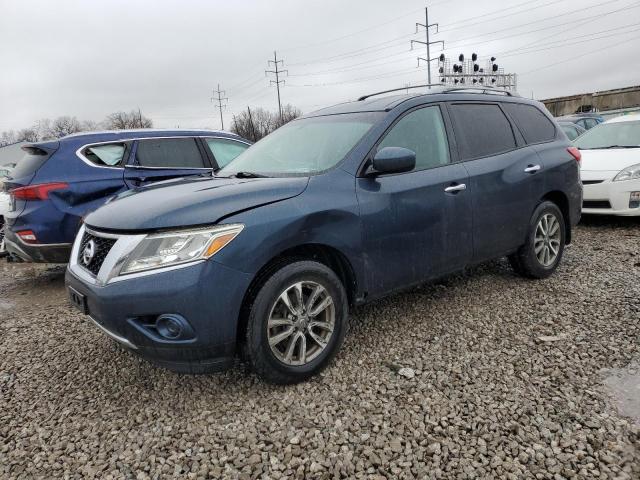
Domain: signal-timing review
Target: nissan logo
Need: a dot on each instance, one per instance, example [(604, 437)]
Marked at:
[(89, 252)]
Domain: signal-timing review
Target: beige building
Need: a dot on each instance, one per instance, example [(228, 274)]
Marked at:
[(617, 100)]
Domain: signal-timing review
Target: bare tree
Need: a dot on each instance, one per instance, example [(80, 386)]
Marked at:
[(7, 138), (256, 123), (27, 135), (124, 120), (289, 112), (89, 126), (63, 126)]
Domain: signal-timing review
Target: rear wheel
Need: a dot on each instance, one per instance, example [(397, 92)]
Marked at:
[(296, 323), (541, 254)]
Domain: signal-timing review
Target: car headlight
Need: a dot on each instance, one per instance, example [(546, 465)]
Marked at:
[(161, 250), (629, 173)]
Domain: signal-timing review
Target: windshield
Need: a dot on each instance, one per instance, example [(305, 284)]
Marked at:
[(611, 135), (304, 147)]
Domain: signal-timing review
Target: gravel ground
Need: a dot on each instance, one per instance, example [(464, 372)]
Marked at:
[(481, 375)]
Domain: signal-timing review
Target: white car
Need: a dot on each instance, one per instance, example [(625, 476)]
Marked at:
[(4, 207), (611, 167)]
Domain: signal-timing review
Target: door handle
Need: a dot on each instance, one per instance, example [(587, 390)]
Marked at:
[(532, 168), (455, 188)]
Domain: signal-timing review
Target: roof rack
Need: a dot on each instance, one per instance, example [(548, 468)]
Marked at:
[(489, 90), (364, 97)]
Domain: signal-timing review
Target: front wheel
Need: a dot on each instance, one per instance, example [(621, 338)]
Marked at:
[(296, 323), (541, 254)]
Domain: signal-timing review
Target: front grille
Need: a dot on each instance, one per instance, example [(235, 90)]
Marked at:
[(102, 248), (591, 182), (596, 204)]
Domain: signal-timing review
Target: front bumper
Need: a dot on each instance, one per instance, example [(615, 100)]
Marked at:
[(609, 197), (40, 253), (207, 295)]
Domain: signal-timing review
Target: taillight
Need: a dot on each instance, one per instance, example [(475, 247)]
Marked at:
[(575, 153), (27, 236), (37, 192)]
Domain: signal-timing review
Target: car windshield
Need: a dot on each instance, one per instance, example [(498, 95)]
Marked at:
[(611, 135), (303, 147)]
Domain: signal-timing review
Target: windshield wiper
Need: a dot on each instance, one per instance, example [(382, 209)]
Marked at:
[(247, 175)]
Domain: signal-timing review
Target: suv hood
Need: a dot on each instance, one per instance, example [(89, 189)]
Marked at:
[(203, 201)]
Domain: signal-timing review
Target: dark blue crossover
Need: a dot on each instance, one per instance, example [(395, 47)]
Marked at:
[(58, 182), (334, 209)]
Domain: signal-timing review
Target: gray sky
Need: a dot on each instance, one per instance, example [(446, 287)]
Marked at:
[(90, 58)]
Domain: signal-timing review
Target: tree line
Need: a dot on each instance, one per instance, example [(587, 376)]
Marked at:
[(47, 129), (252, 124)]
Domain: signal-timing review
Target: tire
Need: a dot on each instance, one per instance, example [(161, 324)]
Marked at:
[(534, 264), (283, 363)]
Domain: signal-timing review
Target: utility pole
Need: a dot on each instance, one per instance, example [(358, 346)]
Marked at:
[(277, 81), (428, 43), (220, 98), (253, 129)]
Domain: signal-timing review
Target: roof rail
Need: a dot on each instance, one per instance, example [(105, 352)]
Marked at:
[(489, 90), (364, 97)]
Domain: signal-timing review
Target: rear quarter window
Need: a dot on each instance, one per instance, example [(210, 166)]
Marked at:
[(106, 155), (481, 130), (532, 123)]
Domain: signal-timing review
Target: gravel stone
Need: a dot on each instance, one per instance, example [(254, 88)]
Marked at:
[(489, 396)]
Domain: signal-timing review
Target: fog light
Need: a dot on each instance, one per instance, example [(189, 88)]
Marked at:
[(169, 326), (634, 200)]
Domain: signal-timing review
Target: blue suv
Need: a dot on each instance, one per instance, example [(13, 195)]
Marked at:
[(58, 182), (334, 209)]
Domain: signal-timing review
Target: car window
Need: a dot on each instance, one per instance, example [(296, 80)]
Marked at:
[(423, 132), (305, 146), (482, 130), (611, 135), (590, 122), (534, 125), (107, 155), (169, 153), (570, 131), (225, 150)]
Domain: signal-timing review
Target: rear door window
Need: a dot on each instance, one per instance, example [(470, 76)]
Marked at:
[(481, 130), (169, 153), (533, 124), (225, 150), (106, 155), (423, 132)]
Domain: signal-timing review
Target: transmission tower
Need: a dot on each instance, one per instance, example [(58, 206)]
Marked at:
[(218, 96), (277, 72), (428, 42)]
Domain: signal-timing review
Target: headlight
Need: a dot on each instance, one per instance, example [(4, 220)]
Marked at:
[(629, 173), (174, 248)]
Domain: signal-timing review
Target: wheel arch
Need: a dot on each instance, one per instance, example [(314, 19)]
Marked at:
[(321, 253)]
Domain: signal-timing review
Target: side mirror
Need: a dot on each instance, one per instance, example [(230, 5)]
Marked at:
[(393, 160)]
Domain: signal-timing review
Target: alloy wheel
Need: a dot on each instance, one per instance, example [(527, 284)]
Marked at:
[(301, 323), (547, 239)]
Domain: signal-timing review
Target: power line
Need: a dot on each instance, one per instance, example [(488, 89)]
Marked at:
[(220, 99), (277, 81), (579, 56), (501, 17)]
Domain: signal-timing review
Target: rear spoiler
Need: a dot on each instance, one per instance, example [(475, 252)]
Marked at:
[(41, 148)]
